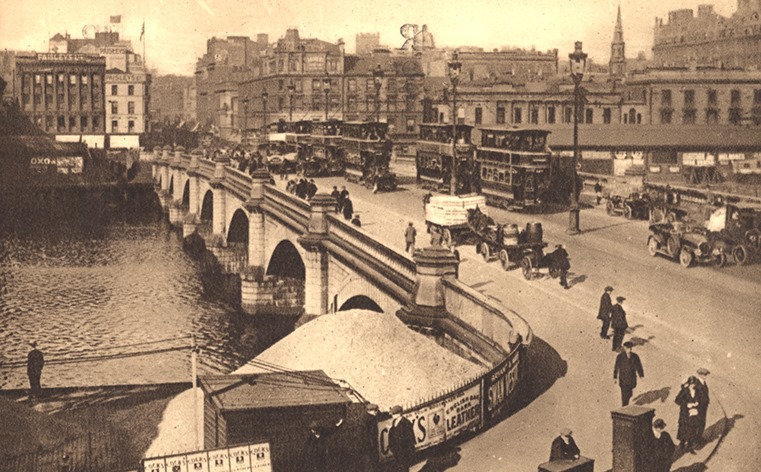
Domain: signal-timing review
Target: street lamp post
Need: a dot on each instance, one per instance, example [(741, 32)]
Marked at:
[(265, 95), (326, 89), (454, 67), (578, 64), (245, 119), (378, 81), (291, 90)]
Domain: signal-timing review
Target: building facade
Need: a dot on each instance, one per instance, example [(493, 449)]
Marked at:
[(172, 99), (64, 94)]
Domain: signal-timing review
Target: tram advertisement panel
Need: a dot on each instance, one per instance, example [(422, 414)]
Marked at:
[(463, 410), (500, 384), (427, 423)]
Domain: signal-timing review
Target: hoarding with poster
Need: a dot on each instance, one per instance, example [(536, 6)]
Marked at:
[(463, 411), (427, 423), (500, 384), (248, 458)]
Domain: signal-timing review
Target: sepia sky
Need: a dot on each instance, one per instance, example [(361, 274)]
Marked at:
[(176, 30)]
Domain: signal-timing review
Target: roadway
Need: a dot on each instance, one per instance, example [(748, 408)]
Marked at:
[(680, 320)]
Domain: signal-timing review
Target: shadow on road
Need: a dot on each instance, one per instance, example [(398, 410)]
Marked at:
[(599, 228), (478, 285), (651, 396), (579, 279), (637, 341), (543, 367), (634, 328), (441, 459), (697, 467), (712, 433)]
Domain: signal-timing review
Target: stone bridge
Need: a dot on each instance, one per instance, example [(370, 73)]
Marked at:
[(276, 242)]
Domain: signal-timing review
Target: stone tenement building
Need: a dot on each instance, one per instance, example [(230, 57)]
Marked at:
[(709, 38), (64, 94), (172, 99)]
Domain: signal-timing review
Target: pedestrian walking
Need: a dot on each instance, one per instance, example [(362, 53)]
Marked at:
[(662, 449), (564, 447), (344, 193), (618, 323), (628, 367), (598, 192), (409, 238), (606, 305), (355, 221), (704, 400), (688, 400), (315, 457), (564, 265), (337, 197), (35, 360), (348, 208), (401, 441)]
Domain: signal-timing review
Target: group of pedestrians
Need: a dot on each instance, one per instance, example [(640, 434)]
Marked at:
[(345, 205), (302, 188)]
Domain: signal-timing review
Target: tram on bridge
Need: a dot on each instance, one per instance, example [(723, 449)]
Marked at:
[(323, 157), (433, 160), (366, 153)]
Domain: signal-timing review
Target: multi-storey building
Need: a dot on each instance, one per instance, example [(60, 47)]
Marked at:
[(493, 66), (172, 98), (709, 38), (8, 71), (64, 95)]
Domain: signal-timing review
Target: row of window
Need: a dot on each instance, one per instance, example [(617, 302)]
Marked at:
[(60, 123), (74, 100), (115, 89), (585, 115), (735, 97), (83, 79), (115, 108), (320, 84)]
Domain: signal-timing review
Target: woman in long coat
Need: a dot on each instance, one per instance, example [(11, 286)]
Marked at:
[(688, 400)]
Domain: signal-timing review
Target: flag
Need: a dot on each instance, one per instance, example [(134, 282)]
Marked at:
[(116, 19), (142, 31)]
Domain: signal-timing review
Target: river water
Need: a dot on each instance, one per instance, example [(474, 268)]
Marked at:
[(120, 284)]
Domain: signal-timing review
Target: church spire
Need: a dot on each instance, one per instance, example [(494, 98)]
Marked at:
[(617, 64)]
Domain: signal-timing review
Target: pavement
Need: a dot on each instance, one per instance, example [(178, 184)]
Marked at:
[(679, 320)]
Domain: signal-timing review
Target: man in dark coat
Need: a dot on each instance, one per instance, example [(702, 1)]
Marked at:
[(34, 363), (311, 189), (662, 450), (564, 265), (564, 447), (356, 222), (606, 305), (618, 323), (371, 456), (337, 196), (627, 367), (401, 441), (315, 457), (703, 400), (348, 208)]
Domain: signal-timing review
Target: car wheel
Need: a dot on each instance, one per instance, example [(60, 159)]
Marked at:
[(527, 268), (685, 258), (741, 255), (721, 260), (628, 212), (609, 208), (673, 245), (504, 259), (753, 237), (652, 246), (485, 251)]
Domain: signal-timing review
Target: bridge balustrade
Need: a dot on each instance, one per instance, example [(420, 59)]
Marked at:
[(286, 206), (239, 183)]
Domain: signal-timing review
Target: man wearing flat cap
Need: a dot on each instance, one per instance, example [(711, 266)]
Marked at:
[(627, 367), (703, 400), (34, 363), (662, 449), (564, 447), (401, 441), (618, 323), (606, 305)]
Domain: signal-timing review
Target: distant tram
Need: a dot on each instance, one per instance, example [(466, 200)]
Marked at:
[(515, 167), (434, 157), (324, 155), (366, 153)]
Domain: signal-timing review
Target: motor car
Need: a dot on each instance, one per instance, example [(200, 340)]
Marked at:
[(688, 245)]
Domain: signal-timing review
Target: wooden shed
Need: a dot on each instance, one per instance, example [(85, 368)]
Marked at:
[(277, 408)]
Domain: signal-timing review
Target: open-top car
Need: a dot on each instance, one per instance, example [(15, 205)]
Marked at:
[(636, 206), (739, 229), (689, 245)]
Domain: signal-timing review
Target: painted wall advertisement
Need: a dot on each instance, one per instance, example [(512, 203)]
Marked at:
[(249, 458), (500, 384), (61, 164), (463, 411)]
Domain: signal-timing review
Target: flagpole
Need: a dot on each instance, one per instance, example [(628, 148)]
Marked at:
[(145, 59)]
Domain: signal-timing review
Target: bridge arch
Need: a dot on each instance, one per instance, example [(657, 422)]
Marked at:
[(186, 196), (286, 261), (238, 228), (171, 185), (361, 302), (207, 208)]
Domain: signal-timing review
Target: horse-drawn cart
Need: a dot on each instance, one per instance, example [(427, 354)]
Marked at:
[(448, 214)]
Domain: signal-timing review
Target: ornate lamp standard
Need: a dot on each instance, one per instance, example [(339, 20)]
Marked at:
[(578, 64), (265, 95), (454, 66), (326, 89), (291, 90), (245, 119), (378, 81)]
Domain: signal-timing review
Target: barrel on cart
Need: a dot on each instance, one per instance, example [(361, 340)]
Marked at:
[(513, 248), (448, 214)]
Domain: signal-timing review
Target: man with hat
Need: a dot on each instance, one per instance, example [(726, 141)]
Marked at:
[(371, 455), (315, 457), (703, 400), (564, 447), (606, 304), (662, 447), (34, 363), (564, 265), (618, 323), (627, 367), (401, 441)]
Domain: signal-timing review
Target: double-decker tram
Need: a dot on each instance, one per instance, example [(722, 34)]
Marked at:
[(515, 167), (435, 149), (367, 153), (323, 158), (280, 153)]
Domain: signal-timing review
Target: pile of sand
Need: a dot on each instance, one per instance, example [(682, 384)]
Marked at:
[(386, 362)]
